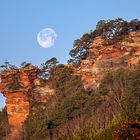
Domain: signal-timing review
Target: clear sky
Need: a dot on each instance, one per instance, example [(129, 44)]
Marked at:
[(21, 20)]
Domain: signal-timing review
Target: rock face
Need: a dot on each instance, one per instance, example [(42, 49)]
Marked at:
[(16, 86), (22, 89), (103, 58)]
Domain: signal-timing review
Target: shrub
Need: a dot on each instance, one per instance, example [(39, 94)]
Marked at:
[(4, 125), (36, 127)]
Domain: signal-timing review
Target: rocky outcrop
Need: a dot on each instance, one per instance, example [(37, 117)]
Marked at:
[(103, 58), (16, 85), (23, 90)]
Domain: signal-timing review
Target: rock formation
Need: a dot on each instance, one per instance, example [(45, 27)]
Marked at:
[(17, 85), (22, 89), (103, 57)]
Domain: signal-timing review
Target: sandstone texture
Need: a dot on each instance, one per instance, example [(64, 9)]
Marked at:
[(23, 90), (16, 85), (103, 57)]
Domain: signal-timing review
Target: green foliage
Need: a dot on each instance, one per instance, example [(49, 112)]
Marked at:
[(3, 114), (70, 94), (88, 132), (118, 128), (132, 97), (106, 133), (26, 65), (4, 126), (46, 68), (124, 88), (64, 81), (70, 102), (7, 66), (111, 30), (69, 112), (36, 127), (80, 47), (103, 87), (79, 50), (112, 82)]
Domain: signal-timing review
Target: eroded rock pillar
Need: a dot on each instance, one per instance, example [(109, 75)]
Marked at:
[(16, 86)]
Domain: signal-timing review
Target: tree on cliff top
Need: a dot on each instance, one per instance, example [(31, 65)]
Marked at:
[(47, 66), (79, 50), (7, 66), (108, 29)]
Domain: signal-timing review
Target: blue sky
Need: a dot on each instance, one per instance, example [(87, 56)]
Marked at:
[(21, 20)]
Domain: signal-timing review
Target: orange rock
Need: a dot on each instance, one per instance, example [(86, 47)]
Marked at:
[(1, 87), (17, 100), (24, 80), (103, 58)]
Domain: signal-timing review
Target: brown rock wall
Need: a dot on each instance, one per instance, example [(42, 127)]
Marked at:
[(17, 100), (103, 58)]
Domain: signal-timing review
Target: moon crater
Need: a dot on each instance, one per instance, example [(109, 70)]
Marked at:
[(46, 37)]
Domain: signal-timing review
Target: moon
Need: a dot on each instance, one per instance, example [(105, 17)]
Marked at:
[(46, 37)]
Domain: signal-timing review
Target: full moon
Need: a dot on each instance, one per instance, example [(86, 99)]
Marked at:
[(46, 37)]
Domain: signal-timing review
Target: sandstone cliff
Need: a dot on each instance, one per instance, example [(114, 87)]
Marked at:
[(18, 86), (103, 57)]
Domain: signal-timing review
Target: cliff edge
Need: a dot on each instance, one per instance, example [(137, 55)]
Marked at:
[(104, 57)]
